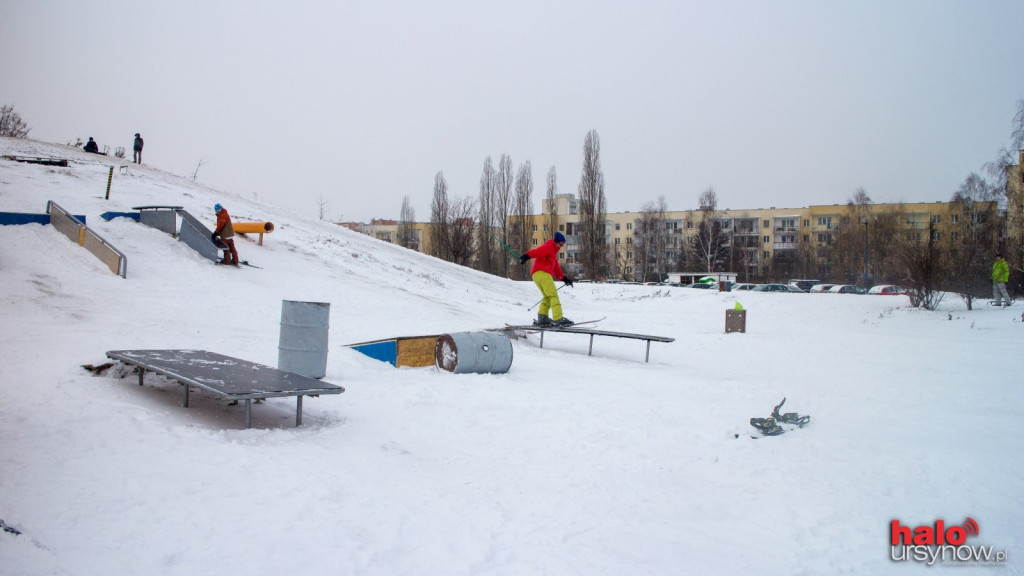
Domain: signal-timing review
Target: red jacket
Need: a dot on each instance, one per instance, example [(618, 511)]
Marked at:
[(224, 228), (545, 257)]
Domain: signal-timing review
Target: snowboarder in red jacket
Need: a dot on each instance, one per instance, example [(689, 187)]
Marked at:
[(226, 233), (544, 272)]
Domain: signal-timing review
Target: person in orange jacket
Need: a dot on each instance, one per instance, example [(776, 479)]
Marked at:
[(226, 233), (544, 272)]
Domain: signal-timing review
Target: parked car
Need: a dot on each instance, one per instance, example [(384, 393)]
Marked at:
[(888, 290), (845, 289), (742, 286), (804, 285), (777, 288), (704, 285), (819, 288)]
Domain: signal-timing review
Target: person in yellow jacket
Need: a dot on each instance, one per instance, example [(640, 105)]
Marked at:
[(544, 272), (1000, 275)]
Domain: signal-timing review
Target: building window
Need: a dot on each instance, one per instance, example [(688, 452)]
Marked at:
[(534, 227), (617, 225), (954, 236), (807, 223), (629, 225), (936, 219), (825, 221), (767, 224), (935, 236), (618, 241), (767, 255), (629, 240), (767, 239), (689, 224), (534, 241), (629, 255), (956, 218), (545, 227)]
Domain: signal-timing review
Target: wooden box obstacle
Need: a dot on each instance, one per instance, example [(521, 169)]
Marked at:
[(735, 321)]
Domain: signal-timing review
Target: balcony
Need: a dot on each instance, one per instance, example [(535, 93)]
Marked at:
[(785, 245)]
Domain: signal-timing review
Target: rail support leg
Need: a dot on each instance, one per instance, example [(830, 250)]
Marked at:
[(248, 413), (541, 338), (142, 372), (298, 409), (647, 356), (591, 349), (186, 394)]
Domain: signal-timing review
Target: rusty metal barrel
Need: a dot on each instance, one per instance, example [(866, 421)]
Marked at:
[(474, 352)]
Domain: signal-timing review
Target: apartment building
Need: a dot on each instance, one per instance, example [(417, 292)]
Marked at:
[(756, 240)]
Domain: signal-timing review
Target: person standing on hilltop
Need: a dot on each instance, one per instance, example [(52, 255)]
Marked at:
[(137, 157)]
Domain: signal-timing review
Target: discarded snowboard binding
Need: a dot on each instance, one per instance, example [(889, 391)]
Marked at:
[(770, 426), (790, 417)]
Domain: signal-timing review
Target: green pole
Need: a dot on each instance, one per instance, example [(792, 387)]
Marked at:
[(505, 246)]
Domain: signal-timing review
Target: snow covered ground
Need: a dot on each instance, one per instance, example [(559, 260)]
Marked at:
[(567, 464)]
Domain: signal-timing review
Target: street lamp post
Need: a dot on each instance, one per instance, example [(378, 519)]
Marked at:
[(865, 220)]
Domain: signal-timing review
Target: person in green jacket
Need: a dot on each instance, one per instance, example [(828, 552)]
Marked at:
[(1000, 275)]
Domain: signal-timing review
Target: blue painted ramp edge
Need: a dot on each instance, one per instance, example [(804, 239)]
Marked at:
[(108, 216), (383, 351), (18, 218)]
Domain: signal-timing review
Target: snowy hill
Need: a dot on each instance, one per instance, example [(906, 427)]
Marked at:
[(567, 464)]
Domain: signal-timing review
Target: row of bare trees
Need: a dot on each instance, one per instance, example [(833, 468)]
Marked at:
[(476, 232)]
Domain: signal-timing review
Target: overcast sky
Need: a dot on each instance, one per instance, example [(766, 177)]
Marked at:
[(772, 103)]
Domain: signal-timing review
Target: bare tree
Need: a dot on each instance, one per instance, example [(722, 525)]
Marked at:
[(202, 161), (322, 203), (503, 209), (440, 245), (552, 204), (522, 226), (847, 259), (708, 245), (406, 219), (592, 237), (1017, 134), (460, 231), (970, 248), (487, 255), (651, 241), (11, 124), (921, 260)]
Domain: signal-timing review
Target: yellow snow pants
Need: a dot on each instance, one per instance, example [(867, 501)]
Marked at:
[(546, 284)]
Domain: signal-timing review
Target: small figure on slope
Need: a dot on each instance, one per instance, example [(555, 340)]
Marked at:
[(226, 233), (544, 272), (137, 147)]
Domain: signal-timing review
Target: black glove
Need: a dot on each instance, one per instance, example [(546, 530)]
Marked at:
[(213, 237), (567, 280), (523, 259)]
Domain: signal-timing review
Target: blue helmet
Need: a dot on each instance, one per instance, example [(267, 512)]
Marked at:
[(559, 237), (217, 207)]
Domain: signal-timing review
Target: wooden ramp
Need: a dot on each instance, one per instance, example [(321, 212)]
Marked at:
[(412, 351)]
